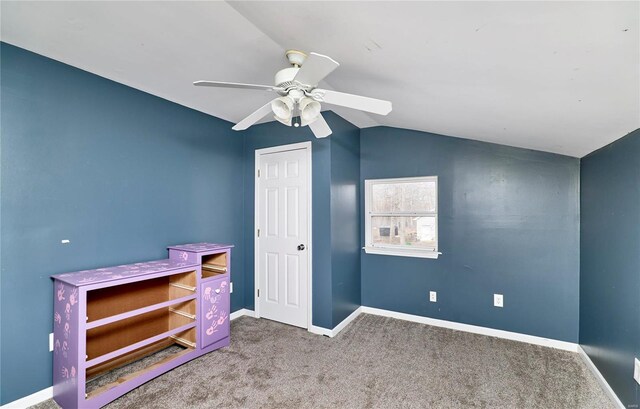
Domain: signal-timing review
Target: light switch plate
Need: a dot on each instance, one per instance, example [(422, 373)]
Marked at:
[(498, 300), (51, 342), (433, 296), (636, 370)]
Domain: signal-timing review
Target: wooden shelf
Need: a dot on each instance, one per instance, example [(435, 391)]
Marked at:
[(215, 268), (214, 265), (122, 299), (132, 375), (139, 311), (127, 332), (183, 286), (129, 348)]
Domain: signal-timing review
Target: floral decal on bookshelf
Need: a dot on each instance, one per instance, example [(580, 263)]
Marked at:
[(61, 292), (85, 277), (73, 298), (65, 316), (215, 316), (198, 247), (68, 374)]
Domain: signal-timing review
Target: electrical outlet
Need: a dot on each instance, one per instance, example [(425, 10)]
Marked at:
[(636, 370), (498, 300), (230, 287), (433, 296), (51, 342)]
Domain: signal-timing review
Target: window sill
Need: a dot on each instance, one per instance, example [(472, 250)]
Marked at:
[(402, 253)]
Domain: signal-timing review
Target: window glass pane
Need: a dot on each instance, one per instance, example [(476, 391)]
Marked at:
[(404, 197), (418, 232)]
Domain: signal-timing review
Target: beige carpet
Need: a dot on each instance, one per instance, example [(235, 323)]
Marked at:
[(375, 362)]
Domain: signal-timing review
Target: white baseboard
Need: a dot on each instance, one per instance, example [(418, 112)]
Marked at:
[(346, 321), (30, 400), (320, 331), (603, 382), (333, 332), (313, 328), (242, 313), (514, 336)]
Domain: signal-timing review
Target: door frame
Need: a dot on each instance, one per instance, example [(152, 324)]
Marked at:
[(256, 222)]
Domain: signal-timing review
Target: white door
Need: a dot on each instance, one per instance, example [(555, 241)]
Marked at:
[(283, 238)]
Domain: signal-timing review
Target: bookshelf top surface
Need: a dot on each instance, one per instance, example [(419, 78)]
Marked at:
[(87, 277), (200, 247)]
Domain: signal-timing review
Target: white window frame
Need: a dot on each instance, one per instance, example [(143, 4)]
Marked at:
[(396, 250)]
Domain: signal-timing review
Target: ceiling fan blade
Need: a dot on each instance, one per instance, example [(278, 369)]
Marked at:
[(222, 84), (315, 68), (253, 118), (320, 128), (376, 106)]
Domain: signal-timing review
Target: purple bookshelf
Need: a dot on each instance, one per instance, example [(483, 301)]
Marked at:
[(116, 328)]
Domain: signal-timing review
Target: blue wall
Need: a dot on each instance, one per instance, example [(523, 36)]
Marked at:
[(120, 173), (610, 263), (508, 224), (345, 221), (328, 202)]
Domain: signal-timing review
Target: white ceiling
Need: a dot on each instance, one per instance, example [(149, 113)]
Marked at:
[(560, 77)]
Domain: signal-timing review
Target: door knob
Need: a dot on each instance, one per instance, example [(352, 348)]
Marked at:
[(300, 247)]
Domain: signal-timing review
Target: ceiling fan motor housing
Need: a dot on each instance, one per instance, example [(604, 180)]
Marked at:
[(284, 78)]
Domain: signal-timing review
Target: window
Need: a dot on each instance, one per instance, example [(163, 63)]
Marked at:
[(401, 216)]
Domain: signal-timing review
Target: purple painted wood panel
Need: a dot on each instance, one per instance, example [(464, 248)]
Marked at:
[(184, 256), (65, 344), (86, 277), (192, 253), (200, 247), (214, 311)]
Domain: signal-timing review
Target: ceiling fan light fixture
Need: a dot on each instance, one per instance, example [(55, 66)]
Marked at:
[(283, 109), (309, 110)]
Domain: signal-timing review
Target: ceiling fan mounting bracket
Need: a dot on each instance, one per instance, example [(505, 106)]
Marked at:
[(295, 57)]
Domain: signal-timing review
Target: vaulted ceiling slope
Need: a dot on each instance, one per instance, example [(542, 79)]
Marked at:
[(561, 77)]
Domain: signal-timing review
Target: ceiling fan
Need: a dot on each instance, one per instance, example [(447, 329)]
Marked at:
[(298, 103)]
